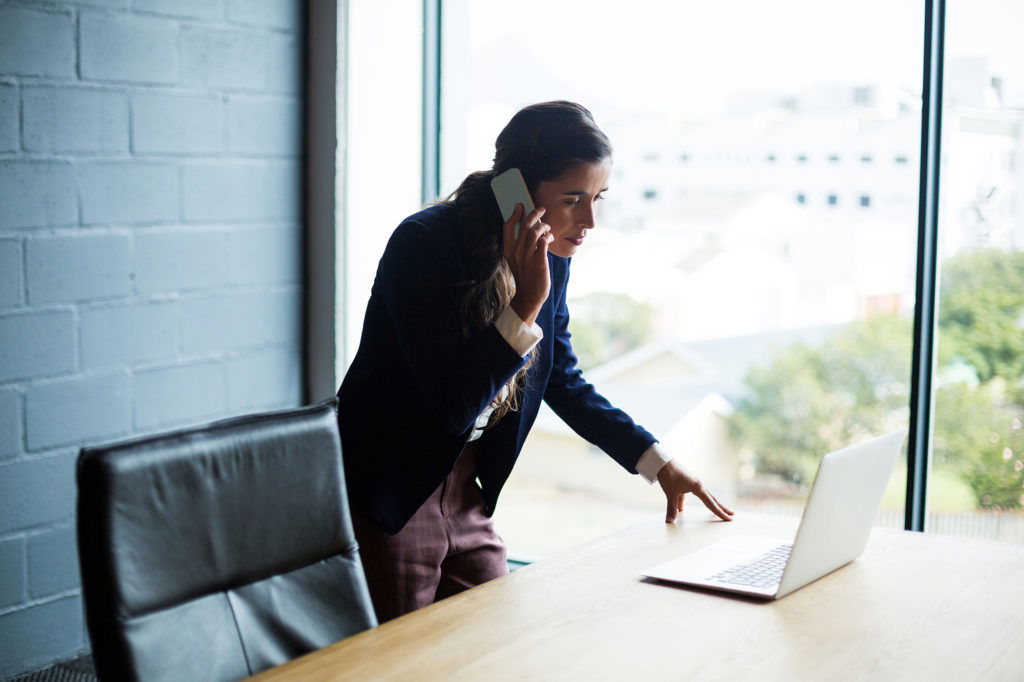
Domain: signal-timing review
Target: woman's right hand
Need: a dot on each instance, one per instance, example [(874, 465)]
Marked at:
[(527, 256)]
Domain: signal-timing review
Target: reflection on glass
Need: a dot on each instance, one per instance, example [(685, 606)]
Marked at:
[(748, 293)]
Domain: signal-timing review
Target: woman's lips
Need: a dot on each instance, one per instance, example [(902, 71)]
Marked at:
[(576, 240)]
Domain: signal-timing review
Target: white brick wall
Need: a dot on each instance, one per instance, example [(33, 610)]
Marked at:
[(149, 255)]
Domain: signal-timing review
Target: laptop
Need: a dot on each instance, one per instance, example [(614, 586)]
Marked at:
[(833, 531)]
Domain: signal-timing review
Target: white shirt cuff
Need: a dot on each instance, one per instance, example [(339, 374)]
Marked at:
[(651, 461), (516, 333)]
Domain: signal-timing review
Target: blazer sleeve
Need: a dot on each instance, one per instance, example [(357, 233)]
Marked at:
[(579, 404), (454, 379)]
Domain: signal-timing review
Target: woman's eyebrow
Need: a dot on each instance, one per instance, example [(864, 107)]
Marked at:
[(583, 193)]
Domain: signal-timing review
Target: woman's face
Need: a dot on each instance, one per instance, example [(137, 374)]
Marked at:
[(570, 201)]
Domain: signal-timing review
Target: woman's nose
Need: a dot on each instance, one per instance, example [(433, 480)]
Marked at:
[(587, 219)]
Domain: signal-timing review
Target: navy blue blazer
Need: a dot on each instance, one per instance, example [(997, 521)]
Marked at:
[(416, 386)]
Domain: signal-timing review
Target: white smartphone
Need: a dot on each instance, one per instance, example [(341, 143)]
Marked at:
[(510, 189)]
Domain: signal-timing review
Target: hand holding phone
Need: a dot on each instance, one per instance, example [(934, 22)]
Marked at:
[(510, 189)]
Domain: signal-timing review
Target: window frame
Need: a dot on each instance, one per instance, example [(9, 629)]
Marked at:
[(924, 339)]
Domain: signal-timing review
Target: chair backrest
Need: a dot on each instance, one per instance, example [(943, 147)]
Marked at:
[(216, 552)]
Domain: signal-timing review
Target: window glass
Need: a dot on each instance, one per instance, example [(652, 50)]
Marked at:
[(382, 147), (977, 481), (750, 329)]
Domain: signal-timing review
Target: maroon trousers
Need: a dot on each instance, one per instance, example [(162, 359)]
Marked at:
[(448, 546)]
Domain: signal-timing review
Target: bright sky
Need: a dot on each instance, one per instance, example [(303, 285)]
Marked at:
[(674, 54)]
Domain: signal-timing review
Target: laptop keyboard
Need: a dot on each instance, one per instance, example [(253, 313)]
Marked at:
[(764, 571)]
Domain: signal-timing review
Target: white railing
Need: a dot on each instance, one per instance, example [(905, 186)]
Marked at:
[(1000, 525)]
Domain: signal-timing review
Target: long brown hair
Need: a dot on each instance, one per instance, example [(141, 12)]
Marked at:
[(543, 141)]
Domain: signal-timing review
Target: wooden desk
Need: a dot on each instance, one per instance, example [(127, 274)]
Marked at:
[(912, 607)]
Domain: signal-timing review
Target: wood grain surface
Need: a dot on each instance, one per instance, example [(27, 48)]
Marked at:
[(912, 607)]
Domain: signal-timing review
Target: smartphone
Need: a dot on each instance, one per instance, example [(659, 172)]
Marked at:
[(510, 189)]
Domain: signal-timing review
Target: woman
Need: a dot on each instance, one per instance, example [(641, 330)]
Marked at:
[(466, 331)]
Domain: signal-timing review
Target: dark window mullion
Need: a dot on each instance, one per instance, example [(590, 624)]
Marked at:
[(921, 388), (431, 100)]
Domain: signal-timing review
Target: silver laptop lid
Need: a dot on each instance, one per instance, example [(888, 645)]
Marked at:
[(841, 509)]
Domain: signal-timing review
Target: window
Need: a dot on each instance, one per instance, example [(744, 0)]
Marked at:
[(383, 140), (663, 287), (833, 158), (771, 158), (864, 200), (791, 355), (977, 478), (832, 199)]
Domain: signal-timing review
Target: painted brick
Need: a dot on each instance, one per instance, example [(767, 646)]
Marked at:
[(36, 344), (79, 267), (80, 409), (10, 423), (241, 320), (12, 572), (240, 59), (190, 9), (180, 260), (264, 125), (39, 635), (36, 42), (284, 14), (114, 4), (177, 395), (74, 120), (11, 273), (37, 194), (264, 380), (52, 563), (126, 334), (128, 192), (8, 117), (186, 124), (264, 256), (36, 492), (128, 48), (241, 191)]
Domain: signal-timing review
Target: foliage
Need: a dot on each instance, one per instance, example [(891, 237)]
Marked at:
[(605, 325), (981, 311), (811, 400), (978, 435)]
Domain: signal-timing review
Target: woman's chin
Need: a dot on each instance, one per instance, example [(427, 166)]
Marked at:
[(564, 249)]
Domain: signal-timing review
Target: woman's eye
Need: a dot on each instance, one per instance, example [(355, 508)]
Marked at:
[(572, 203)]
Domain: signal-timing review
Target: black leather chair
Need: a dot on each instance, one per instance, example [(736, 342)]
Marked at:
[(213, 553)]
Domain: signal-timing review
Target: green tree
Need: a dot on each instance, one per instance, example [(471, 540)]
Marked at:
[(811, 400), (605, 325), (981, 311), (978, 435)]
